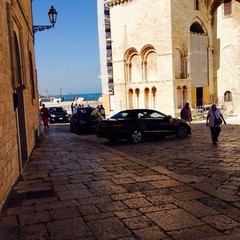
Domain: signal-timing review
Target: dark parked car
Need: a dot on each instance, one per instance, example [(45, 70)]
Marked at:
[(136, 124), (84, 119), (58, 115)]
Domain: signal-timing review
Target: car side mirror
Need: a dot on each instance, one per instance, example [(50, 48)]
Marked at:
[(168, 118)]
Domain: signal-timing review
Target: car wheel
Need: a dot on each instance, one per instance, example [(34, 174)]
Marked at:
[(182, 131), (136, 136)]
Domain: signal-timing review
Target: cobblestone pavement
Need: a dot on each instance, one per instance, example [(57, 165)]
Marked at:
[(82, 187)]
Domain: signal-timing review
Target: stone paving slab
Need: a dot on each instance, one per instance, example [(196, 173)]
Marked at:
[(80, 187)]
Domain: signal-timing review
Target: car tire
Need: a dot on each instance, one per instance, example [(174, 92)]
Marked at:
[(182, 131), (136, 136)]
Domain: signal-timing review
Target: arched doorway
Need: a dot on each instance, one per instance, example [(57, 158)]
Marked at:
[(199, 61)]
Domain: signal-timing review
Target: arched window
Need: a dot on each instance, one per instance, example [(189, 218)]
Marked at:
[(132, 66), (179, 97), (130, 98), (149, 69), (137, 92), (184, 94), (227, 96), (146, 97), (154, 90)]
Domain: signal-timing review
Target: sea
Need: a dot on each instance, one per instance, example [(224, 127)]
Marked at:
[(71, 96)]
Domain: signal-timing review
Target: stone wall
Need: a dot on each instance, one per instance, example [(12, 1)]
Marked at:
[(19, 122)]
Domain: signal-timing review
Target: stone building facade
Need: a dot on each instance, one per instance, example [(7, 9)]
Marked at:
[(19, 104), (167, 52)]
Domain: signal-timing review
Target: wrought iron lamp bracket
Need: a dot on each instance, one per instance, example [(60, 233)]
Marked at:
[(42, 28)]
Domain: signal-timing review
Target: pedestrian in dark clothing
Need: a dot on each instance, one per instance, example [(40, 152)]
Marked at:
[(72, 108), (186, 112), (102, 111)]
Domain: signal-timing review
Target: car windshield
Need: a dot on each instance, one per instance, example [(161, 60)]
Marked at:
[(57, 109)]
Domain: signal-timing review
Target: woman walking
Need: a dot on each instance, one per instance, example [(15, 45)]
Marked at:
[(214, 120)]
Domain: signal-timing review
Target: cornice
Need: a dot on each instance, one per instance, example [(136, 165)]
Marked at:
[(111, 3)]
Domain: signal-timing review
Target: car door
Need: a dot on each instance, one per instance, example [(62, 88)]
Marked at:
[(158, 124)]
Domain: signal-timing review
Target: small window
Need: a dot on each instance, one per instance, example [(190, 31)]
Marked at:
[(228, 96), (196, 4), (227, 7)]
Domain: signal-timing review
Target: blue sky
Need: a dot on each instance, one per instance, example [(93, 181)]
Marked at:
[(67, 56)]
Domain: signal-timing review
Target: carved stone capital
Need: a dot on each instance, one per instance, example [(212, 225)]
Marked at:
[(111, 3)]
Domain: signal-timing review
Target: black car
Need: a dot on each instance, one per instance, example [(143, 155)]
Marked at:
[(136, 124), (58, 115), (84, 119)]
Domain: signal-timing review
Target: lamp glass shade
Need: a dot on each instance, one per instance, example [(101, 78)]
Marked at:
[(52, 14)]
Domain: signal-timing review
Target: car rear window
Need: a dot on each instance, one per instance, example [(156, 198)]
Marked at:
[(84, 111)]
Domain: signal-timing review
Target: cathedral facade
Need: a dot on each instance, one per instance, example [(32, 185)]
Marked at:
[(168, 52), (19, 104)]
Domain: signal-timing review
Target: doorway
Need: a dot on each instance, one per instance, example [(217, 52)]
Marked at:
[(199, 96)]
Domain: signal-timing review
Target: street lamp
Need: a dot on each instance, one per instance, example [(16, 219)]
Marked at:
[(52, 14)]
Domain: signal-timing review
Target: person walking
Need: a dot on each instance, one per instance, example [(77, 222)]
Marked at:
[(45, 115), (186, 112), (214, 120), (72, 107), (102, 111)]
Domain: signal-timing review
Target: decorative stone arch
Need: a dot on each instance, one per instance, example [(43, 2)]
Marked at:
[(137, 92), (184, 94), (146, 97), (197, 26), (154, 90), (227, 96), (130, 98), (180, 63), (179, 97), (149, 63), (132, 65)]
